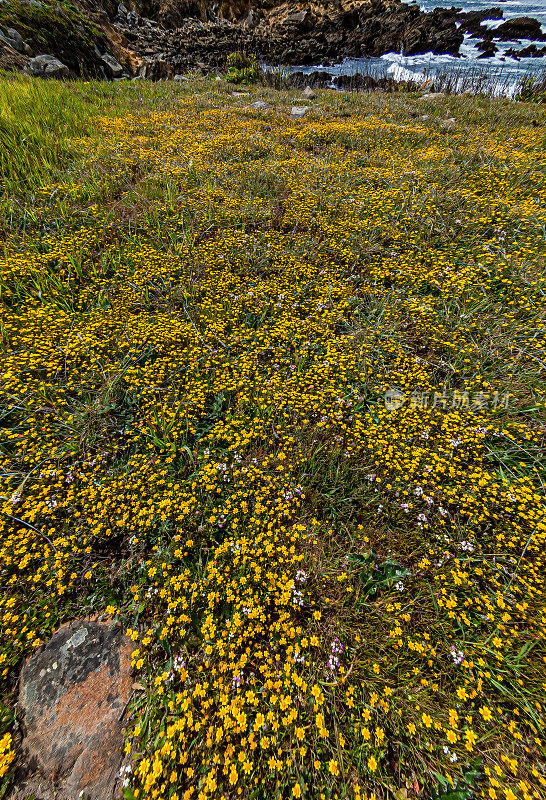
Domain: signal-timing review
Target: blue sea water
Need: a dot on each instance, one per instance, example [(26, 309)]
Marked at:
[(501, 72)]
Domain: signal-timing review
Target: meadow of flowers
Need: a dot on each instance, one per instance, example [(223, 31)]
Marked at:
[(330, 594)]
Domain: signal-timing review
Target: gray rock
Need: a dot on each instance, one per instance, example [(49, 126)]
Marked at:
[(297, 17), (15, 35), (156, 69), (180, 78), (73, 695), (47, 66), (432, 96), (308, 93), (259, 105), (252, 19), (113, 67), (299, 111), (449, 123), (14, 39)]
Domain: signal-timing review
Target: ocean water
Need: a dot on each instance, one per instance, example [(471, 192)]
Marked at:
[(501, 74)]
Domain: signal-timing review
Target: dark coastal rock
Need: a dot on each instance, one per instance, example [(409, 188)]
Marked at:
[(355, 83), (471, 21), (315, 80), (73, 695), (531, 51), (488, 52), (156, 69), (520, 28), (487, 46)]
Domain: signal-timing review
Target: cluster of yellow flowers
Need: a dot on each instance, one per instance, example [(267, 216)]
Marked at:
[(7, 755), (329, 596)]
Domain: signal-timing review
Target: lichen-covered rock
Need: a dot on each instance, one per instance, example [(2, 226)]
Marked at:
[(73, 694)]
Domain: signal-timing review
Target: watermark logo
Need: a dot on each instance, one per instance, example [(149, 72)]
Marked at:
[(477, 401), (394, 399)]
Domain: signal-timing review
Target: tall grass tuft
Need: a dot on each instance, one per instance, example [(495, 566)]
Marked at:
[(37, 121)]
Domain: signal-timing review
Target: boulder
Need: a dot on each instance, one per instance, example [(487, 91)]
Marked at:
[(72, 699), (487, 45), (316, 79), (259, 105), (520, 28), (488, 52), (252, 19), (112, 66), (297, 112), (308, 93), (46, 66), (156, 69), (355, 83), (531, 51)]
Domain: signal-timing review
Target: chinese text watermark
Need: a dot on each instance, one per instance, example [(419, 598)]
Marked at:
[(475, 401)]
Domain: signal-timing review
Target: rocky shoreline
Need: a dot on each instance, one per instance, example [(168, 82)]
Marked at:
[(158, 39)]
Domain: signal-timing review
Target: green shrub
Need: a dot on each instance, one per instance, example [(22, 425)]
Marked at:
[(242, 68)]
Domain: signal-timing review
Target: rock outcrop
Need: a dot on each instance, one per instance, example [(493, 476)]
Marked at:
[(520, 28), (158, 39), (73, 695), (199, 34), (284, 33), (11, 59)]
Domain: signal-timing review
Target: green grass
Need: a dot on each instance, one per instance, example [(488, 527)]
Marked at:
[(38, 121)]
